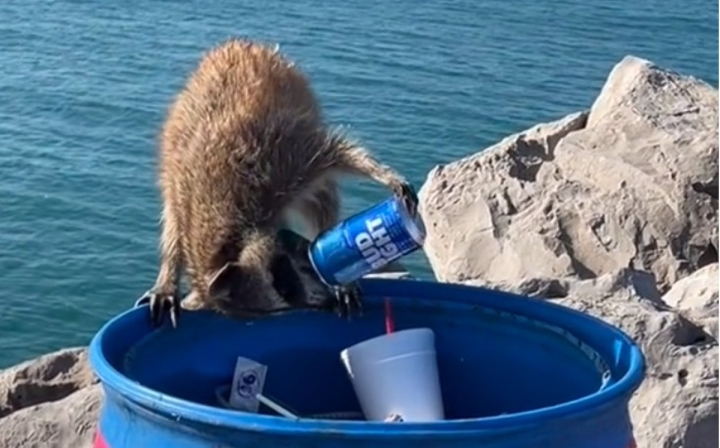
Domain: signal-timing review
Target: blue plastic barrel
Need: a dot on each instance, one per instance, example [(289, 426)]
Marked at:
[(515, 372)]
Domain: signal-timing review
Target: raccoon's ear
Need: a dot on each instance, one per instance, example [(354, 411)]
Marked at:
[(221, 282)]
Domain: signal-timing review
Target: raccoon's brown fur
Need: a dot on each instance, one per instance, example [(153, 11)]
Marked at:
[(244, 142)]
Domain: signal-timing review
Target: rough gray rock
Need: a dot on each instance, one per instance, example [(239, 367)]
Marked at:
[(677, 404), (481, 213), (632, 183), (49, 402), (48, 378), (67, 423), (696, 296), (604, 211), (649, 155)]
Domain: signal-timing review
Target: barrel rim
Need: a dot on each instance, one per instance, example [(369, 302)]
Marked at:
[(158, 402)]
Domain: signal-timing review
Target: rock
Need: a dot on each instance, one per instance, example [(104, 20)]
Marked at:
[(481, 213), (696, 296), (632, 183), (649, 155), (612, 212), (67, 423), (48, 378), (677, 404), (49, 402), (699, 291)]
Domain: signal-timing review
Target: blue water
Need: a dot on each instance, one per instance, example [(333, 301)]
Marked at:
[(84, 84)]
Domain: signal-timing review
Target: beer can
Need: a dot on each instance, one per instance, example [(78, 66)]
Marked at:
[(365, 242)]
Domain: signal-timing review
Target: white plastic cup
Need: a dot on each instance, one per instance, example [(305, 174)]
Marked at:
[(396, 373)]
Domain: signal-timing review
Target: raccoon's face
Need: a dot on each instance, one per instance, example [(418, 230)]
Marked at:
[(238, 291), (291, 282), (296, 282), (294, 278)]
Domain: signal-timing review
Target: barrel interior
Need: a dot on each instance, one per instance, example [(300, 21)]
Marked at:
[(489, 364)]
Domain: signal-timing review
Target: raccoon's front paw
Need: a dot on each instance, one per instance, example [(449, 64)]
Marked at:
[(161, 303), (348, 300), (406, 193)]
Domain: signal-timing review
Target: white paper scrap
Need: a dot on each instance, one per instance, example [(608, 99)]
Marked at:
[(248, 382)]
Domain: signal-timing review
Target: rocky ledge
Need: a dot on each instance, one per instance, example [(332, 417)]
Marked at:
[(612, 211)]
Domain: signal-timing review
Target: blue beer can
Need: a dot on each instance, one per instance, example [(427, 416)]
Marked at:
[(365, 242)]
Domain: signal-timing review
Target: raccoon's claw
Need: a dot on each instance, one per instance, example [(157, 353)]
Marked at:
[(160, 304), (406, 193), (348, 300)]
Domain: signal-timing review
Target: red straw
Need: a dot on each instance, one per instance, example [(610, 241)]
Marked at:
[(389, 322)]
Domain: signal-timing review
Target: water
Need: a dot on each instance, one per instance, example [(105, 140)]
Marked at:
[(83, 87)]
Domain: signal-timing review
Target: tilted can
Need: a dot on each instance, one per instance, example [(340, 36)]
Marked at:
[(365, 242)]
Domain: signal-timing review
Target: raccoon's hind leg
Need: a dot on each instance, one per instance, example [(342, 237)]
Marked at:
[(163, 296), (357, 160)]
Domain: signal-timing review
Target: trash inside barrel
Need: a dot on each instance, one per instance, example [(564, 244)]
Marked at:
[(510, 372)]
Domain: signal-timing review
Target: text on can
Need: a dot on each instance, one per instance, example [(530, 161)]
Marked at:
[(375, 245)]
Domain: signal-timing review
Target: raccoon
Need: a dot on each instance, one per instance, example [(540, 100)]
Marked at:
[(243, 144)]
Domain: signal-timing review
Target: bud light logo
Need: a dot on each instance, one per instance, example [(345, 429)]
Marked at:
[(375, 244)]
